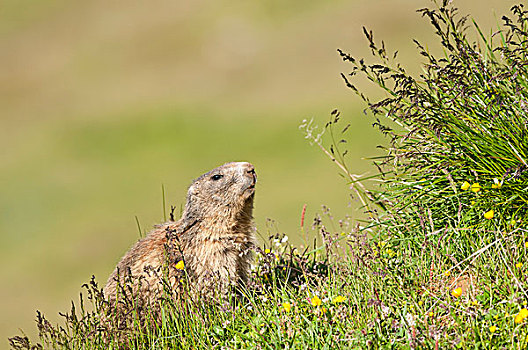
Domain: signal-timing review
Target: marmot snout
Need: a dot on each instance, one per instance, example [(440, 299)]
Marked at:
[(214, 238)]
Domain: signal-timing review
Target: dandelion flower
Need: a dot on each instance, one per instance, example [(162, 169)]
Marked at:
[(526, 244), (456, 292), (267, 251), (493, 329), (316, 301), (338, 299), (431, 314), (489, 214), (286, 307), (180, 265), (475, 187), (521, 315), (447, 273), (420, 303), (519, 265), (465, 186)]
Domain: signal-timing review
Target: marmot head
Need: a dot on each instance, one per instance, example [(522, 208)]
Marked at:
[(224, 193)]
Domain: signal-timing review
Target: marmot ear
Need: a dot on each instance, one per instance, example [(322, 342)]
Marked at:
[(192, 191)]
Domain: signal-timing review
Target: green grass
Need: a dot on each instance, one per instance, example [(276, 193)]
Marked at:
[(390, 297)]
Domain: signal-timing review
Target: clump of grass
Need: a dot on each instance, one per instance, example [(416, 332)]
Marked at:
[(458, 154), (454, 179)]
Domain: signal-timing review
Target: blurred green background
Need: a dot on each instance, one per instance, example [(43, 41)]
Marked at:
[(103, 102)]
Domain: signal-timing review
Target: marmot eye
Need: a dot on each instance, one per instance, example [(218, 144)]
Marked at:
[(216, 177)]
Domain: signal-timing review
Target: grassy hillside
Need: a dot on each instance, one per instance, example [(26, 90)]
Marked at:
[(102, 104)]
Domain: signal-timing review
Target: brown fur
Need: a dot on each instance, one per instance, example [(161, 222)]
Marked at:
[(214, 238)]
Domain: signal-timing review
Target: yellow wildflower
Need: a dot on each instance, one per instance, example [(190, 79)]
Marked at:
[(521, 315), (526, 244), (420, 303), (338, 299), (180, 265), (496, 183), (456, 292), (465, 186), (267, 251), (447, 273), (431, 314), (475, 187), (519, 265), (316, 301), (286, 307), (493, 329), (489, 214)]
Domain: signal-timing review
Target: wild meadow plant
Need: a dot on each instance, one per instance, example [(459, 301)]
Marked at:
[(439, 261), (458, 153), (453, 180)]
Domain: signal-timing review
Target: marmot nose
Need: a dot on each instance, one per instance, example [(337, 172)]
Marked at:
[(250, 170)]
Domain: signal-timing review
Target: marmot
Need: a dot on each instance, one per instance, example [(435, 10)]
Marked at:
[(211, 245)]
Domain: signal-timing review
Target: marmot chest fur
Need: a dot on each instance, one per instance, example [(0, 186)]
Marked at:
[(212, 242)]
